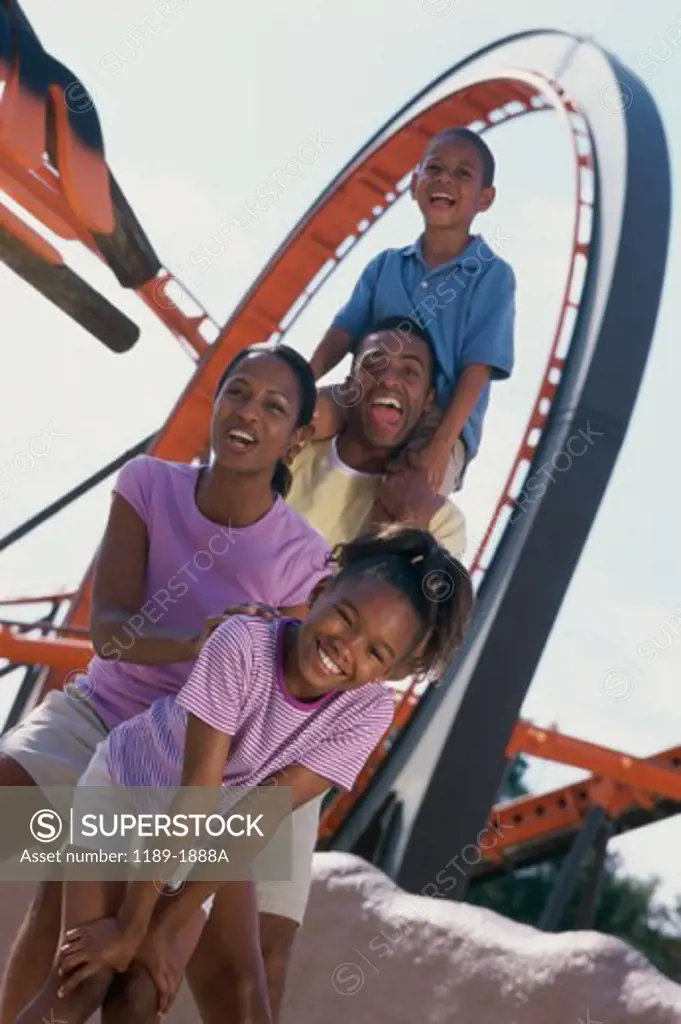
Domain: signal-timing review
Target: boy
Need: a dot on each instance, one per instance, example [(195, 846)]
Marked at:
[(451, 283)]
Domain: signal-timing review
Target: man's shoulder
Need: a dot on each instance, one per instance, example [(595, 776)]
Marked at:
[(448, 525), (311, 454)]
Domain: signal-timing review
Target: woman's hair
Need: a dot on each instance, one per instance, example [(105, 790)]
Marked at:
[(437, 585), (281, 480)]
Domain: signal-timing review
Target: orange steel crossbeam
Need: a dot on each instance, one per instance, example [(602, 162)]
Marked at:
[(630, 771), (619, 783), (64, 653)]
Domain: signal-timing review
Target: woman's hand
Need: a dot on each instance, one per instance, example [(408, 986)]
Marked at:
[(90, 948), (262, 611), (161, 957)]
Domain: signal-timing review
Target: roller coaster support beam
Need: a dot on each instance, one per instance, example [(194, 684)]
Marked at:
[(447, 775), (593, 886), (567, 880)]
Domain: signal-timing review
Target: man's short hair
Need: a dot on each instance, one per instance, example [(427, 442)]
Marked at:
[(406, 325)]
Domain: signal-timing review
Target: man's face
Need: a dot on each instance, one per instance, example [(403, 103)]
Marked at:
[(394, 372)]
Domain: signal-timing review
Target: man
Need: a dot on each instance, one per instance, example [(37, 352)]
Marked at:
[(341, 484)]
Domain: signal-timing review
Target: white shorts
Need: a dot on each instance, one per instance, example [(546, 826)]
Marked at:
[(56, 744)]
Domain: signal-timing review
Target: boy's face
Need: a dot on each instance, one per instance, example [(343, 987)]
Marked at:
[(448, 187)]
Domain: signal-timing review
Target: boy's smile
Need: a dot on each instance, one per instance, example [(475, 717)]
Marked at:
[(448, 184)]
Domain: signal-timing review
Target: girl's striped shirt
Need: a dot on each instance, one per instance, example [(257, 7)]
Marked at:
[(237, 687)]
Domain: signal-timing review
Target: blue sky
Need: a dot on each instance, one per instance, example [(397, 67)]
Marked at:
[(200, 112)]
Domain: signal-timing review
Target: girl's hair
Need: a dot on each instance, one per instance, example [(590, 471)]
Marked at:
[(282, 479), (437, 585)]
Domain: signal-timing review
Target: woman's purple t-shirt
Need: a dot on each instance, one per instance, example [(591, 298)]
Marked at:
[(195, 569)]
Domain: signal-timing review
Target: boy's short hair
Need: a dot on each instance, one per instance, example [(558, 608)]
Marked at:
[(488, 162), (398, 323)]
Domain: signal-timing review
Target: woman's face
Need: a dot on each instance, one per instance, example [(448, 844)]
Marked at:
[(254, 416)]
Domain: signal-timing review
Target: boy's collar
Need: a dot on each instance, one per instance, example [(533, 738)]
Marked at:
[(416, 249)]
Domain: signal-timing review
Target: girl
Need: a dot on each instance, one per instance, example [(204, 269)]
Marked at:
[(182, 544), (298, 704)]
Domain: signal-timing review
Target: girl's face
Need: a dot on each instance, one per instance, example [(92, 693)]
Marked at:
[(254, 415), (358, 631)]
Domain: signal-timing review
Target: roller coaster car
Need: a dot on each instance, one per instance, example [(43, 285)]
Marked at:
[(52, 164)]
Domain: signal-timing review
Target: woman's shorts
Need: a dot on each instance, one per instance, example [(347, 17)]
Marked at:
[(55, 744)]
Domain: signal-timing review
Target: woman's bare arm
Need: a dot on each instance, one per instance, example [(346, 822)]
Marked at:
[(123, 628)]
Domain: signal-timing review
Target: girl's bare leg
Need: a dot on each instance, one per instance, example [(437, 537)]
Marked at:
[(213, 976), (227, 975), (83, 902)]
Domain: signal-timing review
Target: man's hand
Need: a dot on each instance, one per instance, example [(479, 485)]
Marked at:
[(404, 495), (161, 957), (90, 948)]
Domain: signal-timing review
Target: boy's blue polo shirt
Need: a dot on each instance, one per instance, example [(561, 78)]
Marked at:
[(467, 306)]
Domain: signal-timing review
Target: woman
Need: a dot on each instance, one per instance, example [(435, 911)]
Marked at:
[(183, 545)]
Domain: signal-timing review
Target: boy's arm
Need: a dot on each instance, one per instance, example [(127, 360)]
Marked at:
[(486, 354), (349, 323), (437, 453), (331, 350)]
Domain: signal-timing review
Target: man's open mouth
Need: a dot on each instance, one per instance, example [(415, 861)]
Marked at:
[(386, 412)]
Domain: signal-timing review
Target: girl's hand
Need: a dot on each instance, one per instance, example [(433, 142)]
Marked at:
[(161, 959), (92, 947)]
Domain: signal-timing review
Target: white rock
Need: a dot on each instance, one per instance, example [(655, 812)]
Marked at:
[(370, 953)]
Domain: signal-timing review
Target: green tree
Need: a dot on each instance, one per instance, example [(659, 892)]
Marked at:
[(628, 907)]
